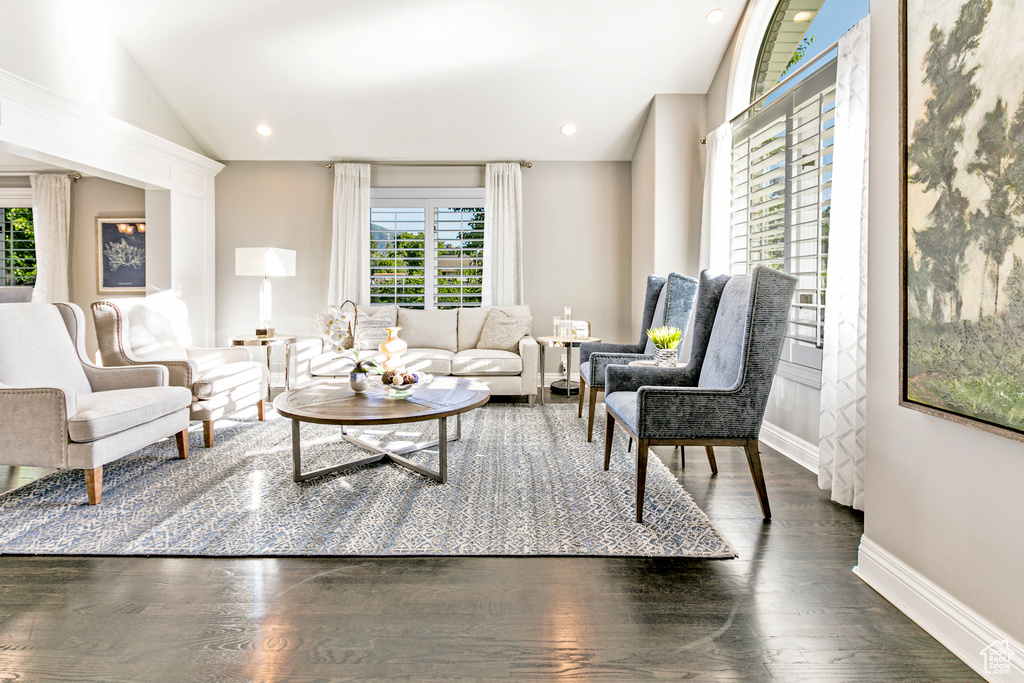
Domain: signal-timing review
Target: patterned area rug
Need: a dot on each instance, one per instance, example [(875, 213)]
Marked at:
[(521, 481)]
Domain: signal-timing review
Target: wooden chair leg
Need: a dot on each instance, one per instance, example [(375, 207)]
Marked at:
[(682, 456), (583, 390), (642, 446), (609, 430), (754, 459), (711, 459), (94, 484), (181, 440), (629, 445), (208, 433), (590, 413), (261, 410)]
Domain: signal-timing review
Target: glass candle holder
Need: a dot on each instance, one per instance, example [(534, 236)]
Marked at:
[(558, 327)]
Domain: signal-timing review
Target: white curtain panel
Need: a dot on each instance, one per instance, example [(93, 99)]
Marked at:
[(350, 243), (503, 236), (51, 219), (714, 225), (843, 372)]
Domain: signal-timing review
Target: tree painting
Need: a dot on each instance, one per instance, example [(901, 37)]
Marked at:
[(964, 296)]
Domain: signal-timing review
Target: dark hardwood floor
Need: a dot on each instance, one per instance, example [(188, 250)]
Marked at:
[(788, 609)]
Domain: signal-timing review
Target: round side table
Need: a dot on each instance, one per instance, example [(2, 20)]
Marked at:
[(564, 387)]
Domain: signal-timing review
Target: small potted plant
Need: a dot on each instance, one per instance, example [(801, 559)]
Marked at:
[(358, 375), (666, 340), (340, 330)]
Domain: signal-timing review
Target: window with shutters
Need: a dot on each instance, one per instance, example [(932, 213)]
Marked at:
[(426, 247), (17, 247), (781, 199)]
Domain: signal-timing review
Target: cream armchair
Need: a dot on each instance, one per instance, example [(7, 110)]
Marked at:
[(154, 329), (59, 410)]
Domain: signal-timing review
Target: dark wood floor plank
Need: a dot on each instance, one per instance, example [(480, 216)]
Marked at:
[(788, 609)]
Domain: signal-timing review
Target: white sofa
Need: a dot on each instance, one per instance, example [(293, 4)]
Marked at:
[(440, 343)]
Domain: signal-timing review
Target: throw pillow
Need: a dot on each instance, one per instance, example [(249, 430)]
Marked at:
[(373, 326), (503, 331), (429, 329)]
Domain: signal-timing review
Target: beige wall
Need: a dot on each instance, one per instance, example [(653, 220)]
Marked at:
[(576, 218), (943, 498), (93, 198)]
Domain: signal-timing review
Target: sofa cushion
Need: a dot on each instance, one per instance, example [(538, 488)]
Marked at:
[(503, 331), (433, 361), (221, 378), (373, 322), (429, 329), (105, 413), (486, 362), (471, 322)]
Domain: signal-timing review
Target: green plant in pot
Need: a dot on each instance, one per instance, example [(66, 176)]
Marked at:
[(359, 372), (666, 341), (340, 330)]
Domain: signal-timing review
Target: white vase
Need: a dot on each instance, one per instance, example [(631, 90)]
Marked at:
[(666, 358), (358, 381), (393, 348)]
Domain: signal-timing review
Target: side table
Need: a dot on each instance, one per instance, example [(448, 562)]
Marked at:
[(269, 342), (562, 386)]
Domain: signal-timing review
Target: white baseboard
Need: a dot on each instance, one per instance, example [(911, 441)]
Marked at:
[(793, 447), (965, 633)]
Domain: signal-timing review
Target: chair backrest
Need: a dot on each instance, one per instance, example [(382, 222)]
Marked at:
[(15, 294), (746, 340), (148, 328), (654, 286), (36, 349), (705, 310)]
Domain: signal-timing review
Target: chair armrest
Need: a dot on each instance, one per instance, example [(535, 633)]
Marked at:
[(599, 362), (529, 351), (633, 377), (697, 413), (126, 376), (210, 358), (588, 348), (34, 428), (299, 356)]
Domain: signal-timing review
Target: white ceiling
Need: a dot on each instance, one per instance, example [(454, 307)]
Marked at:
[(439, 80)]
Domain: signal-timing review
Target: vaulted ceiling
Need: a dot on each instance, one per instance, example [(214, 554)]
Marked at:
[(439, 80)]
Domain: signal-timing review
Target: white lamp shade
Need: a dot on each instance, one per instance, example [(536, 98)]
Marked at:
[(265, 262)]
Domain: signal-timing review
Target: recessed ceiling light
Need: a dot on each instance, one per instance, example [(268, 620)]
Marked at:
[(715, 16), (568, 129), (263, 130), (801, 16)]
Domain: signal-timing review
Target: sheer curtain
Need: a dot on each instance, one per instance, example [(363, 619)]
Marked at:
[(503, 235), (51, 220), (350, 243), (714, 225), (843, 372)]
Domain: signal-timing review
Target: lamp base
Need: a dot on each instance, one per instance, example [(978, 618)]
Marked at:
[(264, 332)]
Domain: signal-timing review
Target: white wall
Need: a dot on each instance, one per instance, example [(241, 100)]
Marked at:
[(942, 498), (576, 219), (61, 45)]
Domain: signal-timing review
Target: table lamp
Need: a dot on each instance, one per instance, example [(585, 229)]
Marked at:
[(267, 262)]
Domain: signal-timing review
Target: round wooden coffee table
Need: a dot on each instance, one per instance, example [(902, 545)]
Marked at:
[(333, 402)]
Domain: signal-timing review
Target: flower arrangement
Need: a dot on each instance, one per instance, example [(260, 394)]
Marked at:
[(665, 337), (341, 335)]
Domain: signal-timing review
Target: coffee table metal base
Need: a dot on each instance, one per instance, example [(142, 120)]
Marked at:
[(383, 454)]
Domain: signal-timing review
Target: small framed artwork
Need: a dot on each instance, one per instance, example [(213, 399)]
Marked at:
[(121, 255)]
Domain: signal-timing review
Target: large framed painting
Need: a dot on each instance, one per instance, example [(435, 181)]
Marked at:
[(121, 255), (962, 228)]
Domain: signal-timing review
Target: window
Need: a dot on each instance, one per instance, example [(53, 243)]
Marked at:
[(17, 248), (427, 247), (781, 198)]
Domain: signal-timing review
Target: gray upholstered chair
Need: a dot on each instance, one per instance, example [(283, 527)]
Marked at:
[(59, 410), (154, 329), (667, 301), (720, 396)]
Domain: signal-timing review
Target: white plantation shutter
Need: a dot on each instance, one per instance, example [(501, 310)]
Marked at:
[(458, 256), (398, 250), (781, 205)]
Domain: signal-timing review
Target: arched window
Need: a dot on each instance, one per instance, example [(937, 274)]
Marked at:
[(782, 165)]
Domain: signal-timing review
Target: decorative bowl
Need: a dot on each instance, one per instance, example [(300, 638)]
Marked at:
[(405, 390)]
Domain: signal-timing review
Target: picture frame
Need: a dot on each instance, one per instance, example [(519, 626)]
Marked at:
[(121, 255), (961, 264)]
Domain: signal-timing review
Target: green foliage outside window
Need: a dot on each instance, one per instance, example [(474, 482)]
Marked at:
[(18, 251)]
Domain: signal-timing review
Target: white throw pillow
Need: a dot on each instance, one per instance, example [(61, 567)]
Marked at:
[(503, 331), (373, 323)]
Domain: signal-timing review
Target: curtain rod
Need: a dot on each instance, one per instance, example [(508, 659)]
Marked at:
[(780, 84), (330, 164), (26, 174)]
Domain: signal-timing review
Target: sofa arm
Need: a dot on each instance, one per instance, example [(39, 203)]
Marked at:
[(529, 351), (300, 354), (34, 429), (126, 376)]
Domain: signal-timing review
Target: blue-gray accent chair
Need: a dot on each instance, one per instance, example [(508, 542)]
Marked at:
[(667, 301), (718, 399)]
